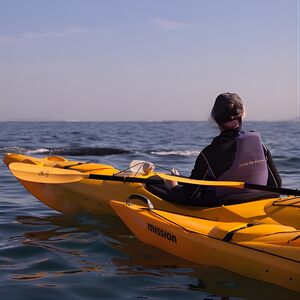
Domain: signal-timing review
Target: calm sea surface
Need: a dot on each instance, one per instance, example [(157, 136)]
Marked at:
[(46, 255)]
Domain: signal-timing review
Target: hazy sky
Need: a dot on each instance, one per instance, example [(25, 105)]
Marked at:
[(109, 60)]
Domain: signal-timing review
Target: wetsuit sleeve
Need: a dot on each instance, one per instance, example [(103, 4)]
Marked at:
[(274, 178)]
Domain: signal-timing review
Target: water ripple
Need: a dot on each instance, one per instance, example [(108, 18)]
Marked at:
[(45, 255)]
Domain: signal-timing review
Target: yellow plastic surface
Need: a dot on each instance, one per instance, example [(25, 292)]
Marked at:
[(93, 196), (257, 256)]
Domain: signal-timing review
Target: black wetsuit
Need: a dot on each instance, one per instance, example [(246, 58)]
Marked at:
[(212, 163)]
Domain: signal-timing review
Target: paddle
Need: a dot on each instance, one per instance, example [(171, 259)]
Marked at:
[(231, 184), (42, 174)]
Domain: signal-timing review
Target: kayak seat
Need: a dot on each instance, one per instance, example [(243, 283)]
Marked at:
[(208, 199)]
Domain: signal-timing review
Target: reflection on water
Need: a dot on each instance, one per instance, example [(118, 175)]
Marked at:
[(88, 245)]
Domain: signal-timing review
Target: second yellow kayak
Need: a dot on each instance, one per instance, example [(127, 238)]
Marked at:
[(266, 252)]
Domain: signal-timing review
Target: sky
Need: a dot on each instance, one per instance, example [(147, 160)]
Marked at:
[(147, 60)]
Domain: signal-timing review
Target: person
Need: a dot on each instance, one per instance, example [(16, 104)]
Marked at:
[(233, 155)]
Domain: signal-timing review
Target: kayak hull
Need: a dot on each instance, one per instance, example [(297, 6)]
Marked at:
[(202, 242), (93, 196)]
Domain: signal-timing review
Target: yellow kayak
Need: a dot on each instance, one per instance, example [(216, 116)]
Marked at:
[(266, 252), (74, 187)]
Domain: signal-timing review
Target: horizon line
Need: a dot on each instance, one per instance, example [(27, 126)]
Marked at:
[(296, 119)]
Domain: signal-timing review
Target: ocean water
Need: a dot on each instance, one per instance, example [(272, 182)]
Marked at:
[(47, 255)]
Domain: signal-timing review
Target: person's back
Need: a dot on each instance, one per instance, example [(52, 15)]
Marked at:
[(233, 155)]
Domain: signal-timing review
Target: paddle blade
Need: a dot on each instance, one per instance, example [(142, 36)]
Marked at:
[(42, 174), (233, 184)]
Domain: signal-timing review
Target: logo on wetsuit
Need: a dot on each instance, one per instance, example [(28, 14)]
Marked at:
[(250, 163)]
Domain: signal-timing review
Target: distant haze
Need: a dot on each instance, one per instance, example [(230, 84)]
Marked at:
[(151, 60)]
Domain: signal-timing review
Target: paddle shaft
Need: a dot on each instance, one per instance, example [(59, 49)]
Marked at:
[(125, 179), (251, 186), (283, 191)]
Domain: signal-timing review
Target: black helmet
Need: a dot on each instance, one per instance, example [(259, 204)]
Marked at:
[(227, 107)]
